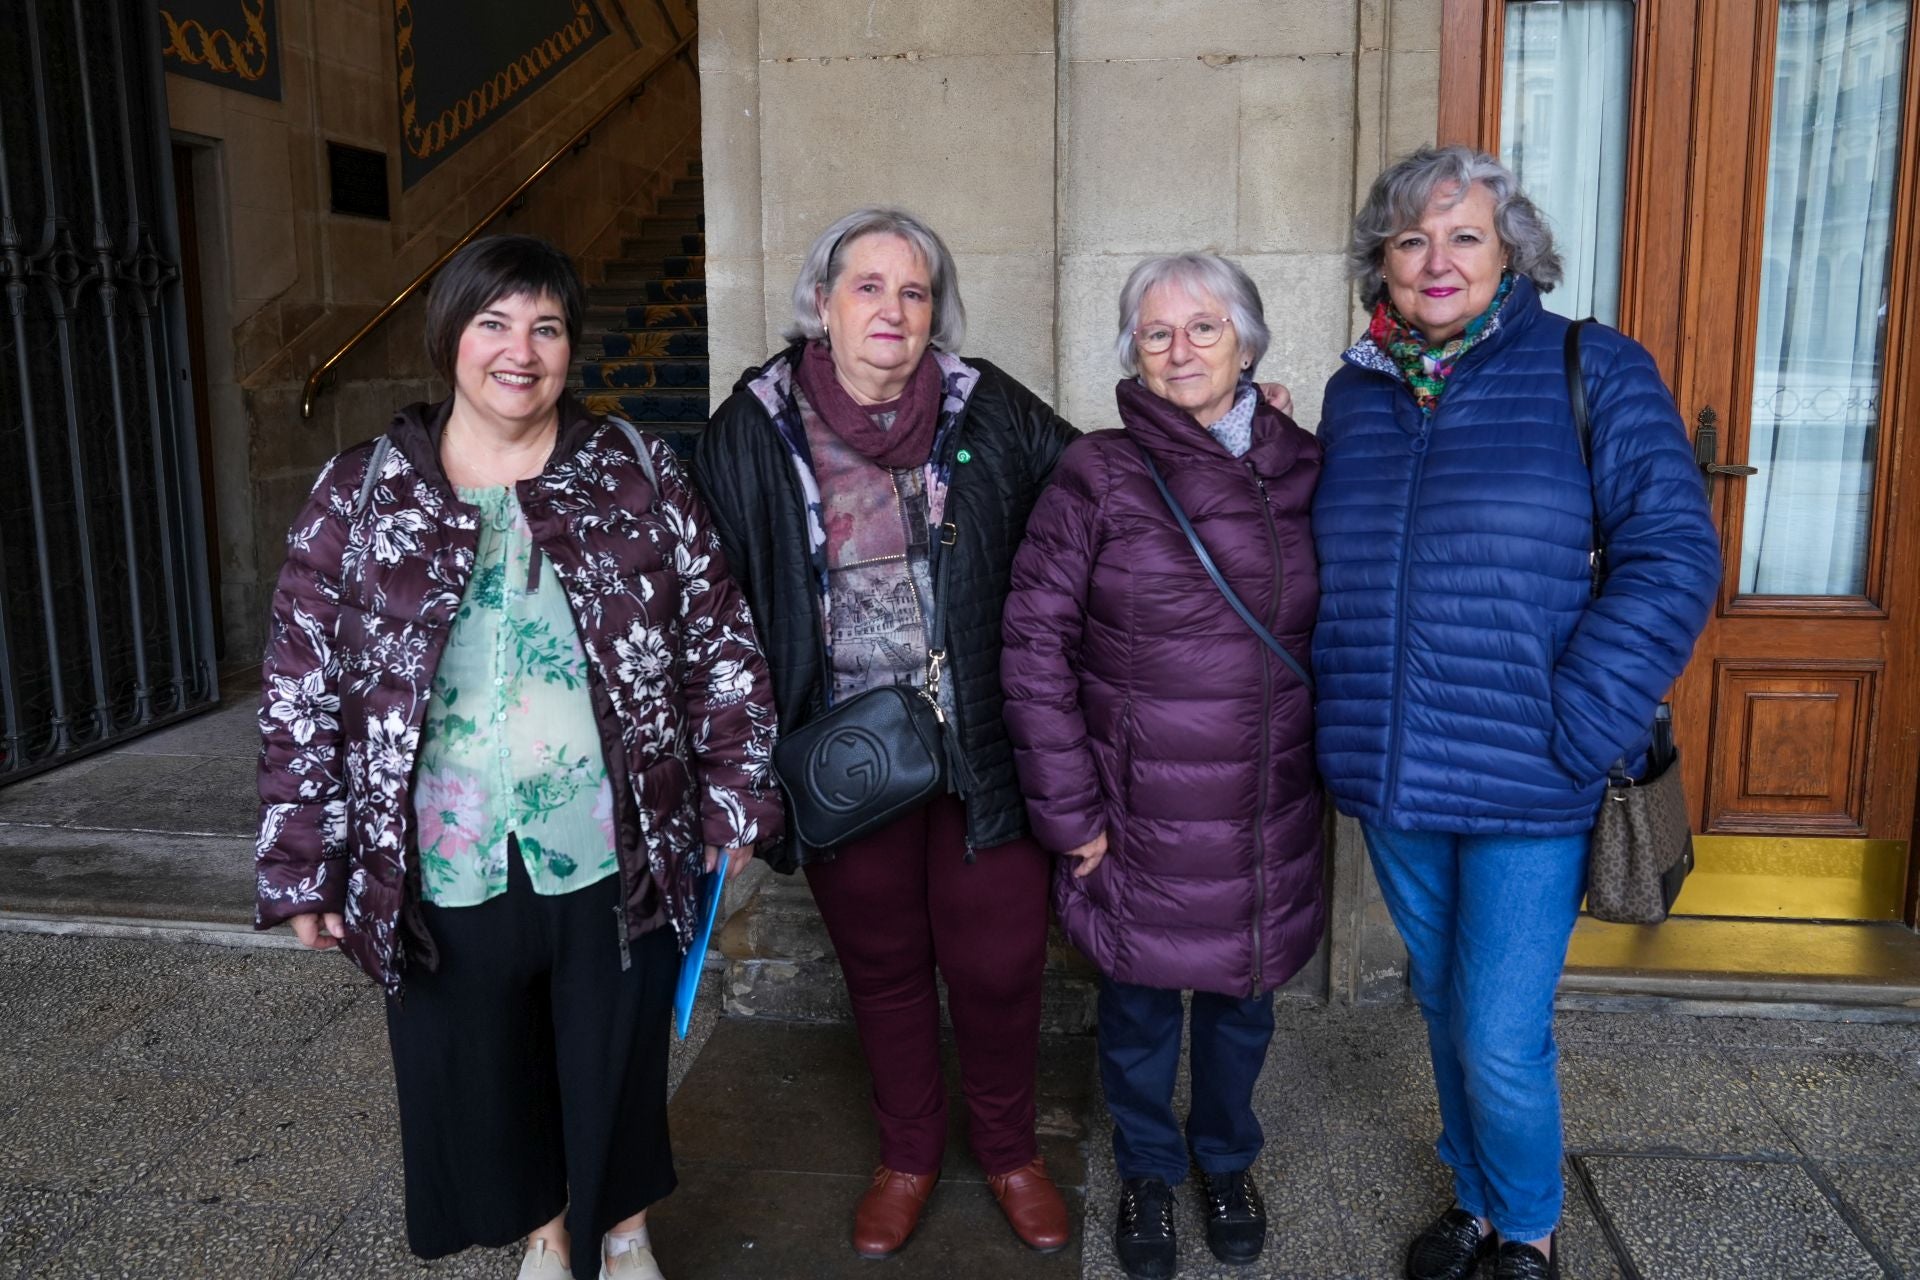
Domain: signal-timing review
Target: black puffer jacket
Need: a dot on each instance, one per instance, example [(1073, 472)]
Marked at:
[(747, 471)]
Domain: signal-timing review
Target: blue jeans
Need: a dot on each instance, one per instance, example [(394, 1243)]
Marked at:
[(1486, 921), (1140, 1057)]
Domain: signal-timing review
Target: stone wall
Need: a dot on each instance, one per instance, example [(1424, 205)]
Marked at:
[(286, 281), (1054, 143)]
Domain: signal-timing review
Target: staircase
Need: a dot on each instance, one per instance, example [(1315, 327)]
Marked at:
[(644, 353)]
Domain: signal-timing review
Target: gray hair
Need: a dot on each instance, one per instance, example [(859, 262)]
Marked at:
[(1401, 194), (1198, 273), (829, 253)]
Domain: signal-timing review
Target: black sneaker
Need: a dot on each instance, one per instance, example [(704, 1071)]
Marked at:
[(1518, 1261), (1143, 1236), (1236, 1218), (1449, 1249)]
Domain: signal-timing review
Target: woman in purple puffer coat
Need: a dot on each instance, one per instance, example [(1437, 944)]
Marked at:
[(1164, 749)]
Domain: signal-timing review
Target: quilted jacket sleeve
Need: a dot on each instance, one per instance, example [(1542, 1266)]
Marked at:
[(728, 692), (1043, 627), (300, 854), (1663, 559)]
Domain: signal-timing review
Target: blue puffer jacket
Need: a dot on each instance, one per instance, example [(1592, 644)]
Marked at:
[(1467, 682)]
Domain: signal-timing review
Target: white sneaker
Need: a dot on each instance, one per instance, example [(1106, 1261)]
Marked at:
[(635, 1264), (542, 1263)]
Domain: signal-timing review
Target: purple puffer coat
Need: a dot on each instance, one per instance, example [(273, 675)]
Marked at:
[(1140, 704)]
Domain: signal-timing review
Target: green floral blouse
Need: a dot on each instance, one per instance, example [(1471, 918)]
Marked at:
[(510, 747)]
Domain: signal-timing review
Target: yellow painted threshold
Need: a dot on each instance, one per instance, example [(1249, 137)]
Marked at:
[(1783, 878), (1749, 959)]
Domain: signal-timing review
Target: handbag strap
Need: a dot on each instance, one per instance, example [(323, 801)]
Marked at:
[(1213, 571), (1583, 433)]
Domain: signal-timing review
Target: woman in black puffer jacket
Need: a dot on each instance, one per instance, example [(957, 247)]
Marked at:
[(831, 471)]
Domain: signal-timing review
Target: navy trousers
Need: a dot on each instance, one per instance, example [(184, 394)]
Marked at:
[(1140, 1058)]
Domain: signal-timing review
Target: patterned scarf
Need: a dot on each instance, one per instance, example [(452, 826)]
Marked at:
[(1427, 367)]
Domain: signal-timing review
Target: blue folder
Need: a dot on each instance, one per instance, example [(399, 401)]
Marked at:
[(711, 883)]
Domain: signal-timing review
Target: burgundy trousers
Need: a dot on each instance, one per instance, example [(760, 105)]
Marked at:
[(903, 902)]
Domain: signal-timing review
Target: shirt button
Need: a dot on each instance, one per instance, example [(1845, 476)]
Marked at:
[(499, 679), (505, 752), (499, 715)]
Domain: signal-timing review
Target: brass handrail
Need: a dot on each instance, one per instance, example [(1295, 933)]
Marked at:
[(576, 143)]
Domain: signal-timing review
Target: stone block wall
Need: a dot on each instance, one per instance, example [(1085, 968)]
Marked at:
[(1053, 143), (286, 281)]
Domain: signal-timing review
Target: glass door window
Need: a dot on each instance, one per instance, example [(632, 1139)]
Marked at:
[(1821, 334), (1565, 111)]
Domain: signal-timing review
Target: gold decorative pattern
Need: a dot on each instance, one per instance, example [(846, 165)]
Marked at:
[(427, 140), (219, 50)]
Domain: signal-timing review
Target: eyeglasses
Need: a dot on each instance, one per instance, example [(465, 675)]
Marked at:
[(1202, 331)]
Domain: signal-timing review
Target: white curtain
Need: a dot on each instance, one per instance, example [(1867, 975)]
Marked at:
[(1823, 296), (1565, 82)]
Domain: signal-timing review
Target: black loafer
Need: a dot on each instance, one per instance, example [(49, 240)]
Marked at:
[(1143, 1235), (1449, 1249), (1518, 1261), (1236, 1218)]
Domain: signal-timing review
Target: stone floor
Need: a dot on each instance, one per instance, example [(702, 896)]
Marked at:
[(187, 1110), (174, 1109)]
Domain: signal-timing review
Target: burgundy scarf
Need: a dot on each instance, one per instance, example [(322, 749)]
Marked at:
[(908, 442)]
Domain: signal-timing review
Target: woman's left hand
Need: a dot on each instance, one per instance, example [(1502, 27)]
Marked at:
[(738, 856), (1277, 395)]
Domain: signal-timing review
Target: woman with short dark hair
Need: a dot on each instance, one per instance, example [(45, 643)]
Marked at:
[(1475, 688), (510, 691)]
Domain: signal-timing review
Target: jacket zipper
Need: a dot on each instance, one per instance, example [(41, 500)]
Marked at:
[(1266, 739), (1398, 716)]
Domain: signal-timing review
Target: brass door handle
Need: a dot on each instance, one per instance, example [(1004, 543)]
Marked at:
[(1706, 444)]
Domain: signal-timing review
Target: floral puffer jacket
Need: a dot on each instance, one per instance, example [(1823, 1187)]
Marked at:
[(361, 616)]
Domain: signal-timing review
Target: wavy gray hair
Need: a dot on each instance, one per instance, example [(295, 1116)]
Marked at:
[(824, 260), (1197, 273), (1399, 199)]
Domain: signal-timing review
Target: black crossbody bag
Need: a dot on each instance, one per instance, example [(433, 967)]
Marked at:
[(878, 755), (1642, 845), (1213, 571)]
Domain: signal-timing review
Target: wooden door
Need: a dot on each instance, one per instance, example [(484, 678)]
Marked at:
[(1767, 258)]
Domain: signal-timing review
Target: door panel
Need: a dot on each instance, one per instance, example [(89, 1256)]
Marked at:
[(1792, 739)]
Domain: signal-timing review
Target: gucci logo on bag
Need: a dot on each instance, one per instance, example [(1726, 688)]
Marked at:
[(846, 769)]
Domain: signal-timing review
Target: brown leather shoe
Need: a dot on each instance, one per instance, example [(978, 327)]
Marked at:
[(890, 1210), (1033, 1206)]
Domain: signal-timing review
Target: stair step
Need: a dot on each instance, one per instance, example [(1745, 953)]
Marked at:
[(667, 316), (652, 344), (639, 270), (679, 206), (648, 408), (644, 375), (652, 248), (649, 292)]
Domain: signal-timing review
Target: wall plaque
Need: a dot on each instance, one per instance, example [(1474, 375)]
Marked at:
[(465, 63), (358, 180), (231, 43)]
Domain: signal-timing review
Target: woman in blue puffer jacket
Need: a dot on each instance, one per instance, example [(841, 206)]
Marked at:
[(1472, 691)]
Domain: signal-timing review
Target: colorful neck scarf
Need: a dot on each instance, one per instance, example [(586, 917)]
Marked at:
[(1427, 367)]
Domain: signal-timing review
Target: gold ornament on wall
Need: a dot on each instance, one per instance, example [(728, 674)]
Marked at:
[(429, 139), (219, 50)]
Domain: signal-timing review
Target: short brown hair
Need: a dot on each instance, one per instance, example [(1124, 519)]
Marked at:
[(487, 270)]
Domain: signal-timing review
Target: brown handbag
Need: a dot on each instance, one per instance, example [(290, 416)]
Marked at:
[(1642, 844)]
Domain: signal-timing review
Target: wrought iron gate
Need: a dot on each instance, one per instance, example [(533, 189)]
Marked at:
[(105, 620)]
